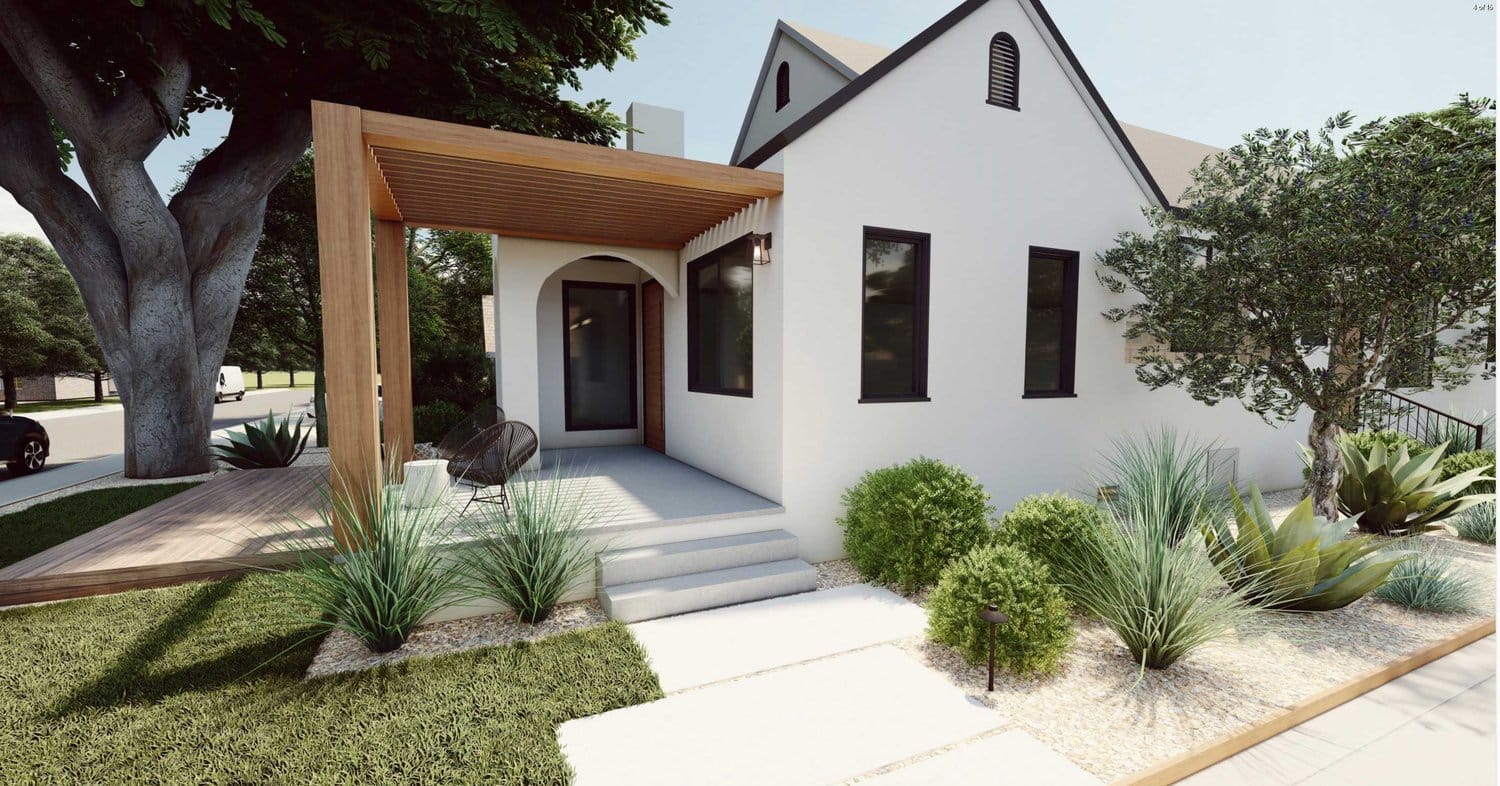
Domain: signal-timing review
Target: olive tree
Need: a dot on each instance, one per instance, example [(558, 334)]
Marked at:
[(1304, 268), (107, 81)]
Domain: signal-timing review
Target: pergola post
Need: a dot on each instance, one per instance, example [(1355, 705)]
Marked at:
[(347, 279), (395, 340)]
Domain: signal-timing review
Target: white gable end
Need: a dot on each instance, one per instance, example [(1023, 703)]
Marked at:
[(811, 80)]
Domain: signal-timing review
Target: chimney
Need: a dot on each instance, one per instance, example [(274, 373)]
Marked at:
[(654, 129)]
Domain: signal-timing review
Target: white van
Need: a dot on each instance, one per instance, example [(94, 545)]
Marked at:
[(231, 384)]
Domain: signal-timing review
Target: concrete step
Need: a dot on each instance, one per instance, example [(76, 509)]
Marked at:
[(662, 597), (627, 566)]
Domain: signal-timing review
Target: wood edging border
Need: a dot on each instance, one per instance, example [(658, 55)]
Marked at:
[(1215, 751)]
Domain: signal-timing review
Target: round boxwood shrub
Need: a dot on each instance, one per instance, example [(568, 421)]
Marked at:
[(1463, 462), (1039, 630), (902, 524), (1055, 529)]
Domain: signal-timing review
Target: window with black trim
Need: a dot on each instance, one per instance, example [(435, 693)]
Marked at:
[(783, 85), (1005, 72), (721, 321), (893, 358), (1051, 321)]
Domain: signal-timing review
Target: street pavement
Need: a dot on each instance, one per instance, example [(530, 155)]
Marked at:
[(89, 442)]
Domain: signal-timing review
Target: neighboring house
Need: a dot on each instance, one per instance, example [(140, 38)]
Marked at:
[(930, 287), (60, 387)]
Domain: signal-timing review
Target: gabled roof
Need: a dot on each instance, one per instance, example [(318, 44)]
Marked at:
[(1171, 159), (1166, 153)]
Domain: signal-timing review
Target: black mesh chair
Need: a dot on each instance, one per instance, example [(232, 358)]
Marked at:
[(458, 437), (490, 458)]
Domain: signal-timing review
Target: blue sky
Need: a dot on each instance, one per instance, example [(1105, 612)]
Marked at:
[(1206, 70)]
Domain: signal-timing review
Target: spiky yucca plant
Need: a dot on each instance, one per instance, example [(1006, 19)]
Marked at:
[(265, 444), (384, 576), (1394, 493), (1163, 479), (1306, 564), (527, 557)]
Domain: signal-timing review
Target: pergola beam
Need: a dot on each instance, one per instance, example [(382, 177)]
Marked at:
[(395, 340), (347, 281)]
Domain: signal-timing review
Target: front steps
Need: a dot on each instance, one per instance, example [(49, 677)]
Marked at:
[(647, 582)]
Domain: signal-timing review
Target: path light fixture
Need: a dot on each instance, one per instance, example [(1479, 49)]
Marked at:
[(994, 616), (760, 249)]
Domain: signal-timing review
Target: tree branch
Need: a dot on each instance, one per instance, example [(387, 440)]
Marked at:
[(64, 90)]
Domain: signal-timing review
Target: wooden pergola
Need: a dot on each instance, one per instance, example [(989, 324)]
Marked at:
[(405, 171)]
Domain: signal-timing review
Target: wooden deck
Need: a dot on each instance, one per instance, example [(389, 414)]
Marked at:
[(234, 523)]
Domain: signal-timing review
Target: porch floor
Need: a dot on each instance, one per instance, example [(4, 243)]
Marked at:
[(240, 521)]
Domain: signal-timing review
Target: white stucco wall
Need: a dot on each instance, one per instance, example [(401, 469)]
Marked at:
[(736, 438), (920, 150), (811, 81)]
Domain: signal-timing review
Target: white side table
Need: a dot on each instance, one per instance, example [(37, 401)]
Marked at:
[(426, 483)]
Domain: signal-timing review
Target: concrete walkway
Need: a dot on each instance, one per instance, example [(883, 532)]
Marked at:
[(1434, 725)]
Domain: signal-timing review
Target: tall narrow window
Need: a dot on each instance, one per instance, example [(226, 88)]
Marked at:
[(599, 355), (1005, 72), (720, 321), (783, 85), (893, 360), (1051, 321)]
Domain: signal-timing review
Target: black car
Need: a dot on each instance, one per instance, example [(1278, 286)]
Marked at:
[(24, 445)]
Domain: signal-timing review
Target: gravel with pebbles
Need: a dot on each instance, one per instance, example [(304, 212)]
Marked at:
[(341, 651)]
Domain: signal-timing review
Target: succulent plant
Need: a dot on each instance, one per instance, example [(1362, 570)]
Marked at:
[(1395, 493), (1306, 564), (269, 443)]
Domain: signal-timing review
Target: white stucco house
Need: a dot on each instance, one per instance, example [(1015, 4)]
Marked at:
[(924, 285)]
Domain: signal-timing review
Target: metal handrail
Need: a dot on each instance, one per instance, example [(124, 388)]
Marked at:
[(1425, 415)]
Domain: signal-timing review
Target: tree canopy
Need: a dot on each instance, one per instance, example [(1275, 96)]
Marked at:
[(1305, 269), (45, 329)]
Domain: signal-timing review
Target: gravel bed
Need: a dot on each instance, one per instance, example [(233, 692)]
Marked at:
[(340, 651), (312, 457)]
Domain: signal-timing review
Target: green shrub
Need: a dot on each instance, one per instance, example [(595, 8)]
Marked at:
[(1305, 564), (265, 444), (1053, 529), (1039, 630), (431, 421), (1459, 463), (384, 576), (1401, 494), (1428, 582), (529, 556), (903, 524), (1476, 523), (1392, 440)]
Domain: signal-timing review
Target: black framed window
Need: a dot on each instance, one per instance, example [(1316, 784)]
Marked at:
[(893, 352), (599, 364), (1051, 321), (783, 85), (721, 324)]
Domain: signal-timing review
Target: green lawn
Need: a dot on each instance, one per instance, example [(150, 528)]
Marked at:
[(202, 684), (280, 379), (32, 407), (43, 526)]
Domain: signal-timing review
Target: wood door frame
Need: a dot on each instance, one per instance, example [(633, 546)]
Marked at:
[(649, 290)]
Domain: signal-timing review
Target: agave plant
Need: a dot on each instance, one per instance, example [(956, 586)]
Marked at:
[(1400, 494), (269, 443), (1306, 564)]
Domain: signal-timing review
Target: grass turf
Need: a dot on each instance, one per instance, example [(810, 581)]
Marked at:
[(202, 684), (40, 527), (33, 407)]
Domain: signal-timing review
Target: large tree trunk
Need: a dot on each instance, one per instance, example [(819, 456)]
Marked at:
[(161, 282), (98, 385), (1327, 465), (9, 378)]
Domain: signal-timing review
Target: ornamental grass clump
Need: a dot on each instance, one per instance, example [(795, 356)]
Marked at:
[(1054, 529), (384, 576), (1395, 493), (1476, 523), (903, 524), (1039, 631), (266, 444), (1305, 564), (1429, 582), (1163, 479), (529, 555)]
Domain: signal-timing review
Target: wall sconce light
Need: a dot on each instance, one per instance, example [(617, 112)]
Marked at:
[(760, 249)]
